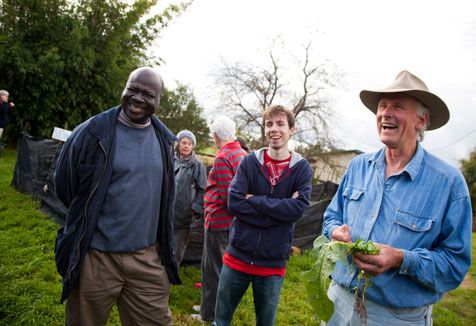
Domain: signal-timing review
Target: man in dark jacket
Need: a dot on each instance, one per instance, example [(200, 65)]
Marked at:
[(115, 174), (268, 194)]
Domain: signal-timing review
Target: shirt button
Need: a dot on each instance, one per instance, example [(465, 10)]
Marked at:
[(413, 225)]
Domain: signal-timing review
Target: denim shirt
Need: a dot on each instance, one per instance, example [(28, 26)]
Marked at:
[(424, 210)]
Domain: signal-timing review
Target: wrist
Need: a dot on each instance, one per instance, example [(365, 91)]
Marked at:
[(398, 258)]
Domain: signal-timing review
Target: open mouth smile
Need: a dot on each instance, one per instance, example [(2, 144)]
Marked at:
[(388, 126), (136, 108)]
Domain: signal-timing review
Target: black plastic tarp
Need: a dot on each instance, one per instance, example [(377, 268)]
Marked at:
[(33, 173)]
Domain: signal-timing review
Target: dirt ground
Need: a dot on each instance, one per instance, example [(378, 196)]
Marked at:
[(468, 282)]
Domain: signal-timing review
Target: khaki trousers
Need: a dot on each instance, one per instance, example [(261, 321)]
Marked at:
[(137, 282)]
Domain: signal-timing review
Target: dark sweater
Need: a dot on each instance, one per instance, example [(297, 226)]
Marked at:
[(130, 214)]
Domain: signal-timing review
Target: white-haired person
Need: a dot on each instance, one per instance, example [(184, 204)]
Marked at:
[(217, 217), (4, 107), (412, 205), (190, 182)]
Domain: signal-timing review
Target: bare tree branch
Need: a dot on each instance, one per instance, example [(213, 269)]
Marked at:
[(246, 90)]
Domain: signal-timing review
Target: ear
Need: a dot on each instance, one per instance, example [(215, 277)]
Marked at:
[(291, 131), (216, 139), (421, 121)]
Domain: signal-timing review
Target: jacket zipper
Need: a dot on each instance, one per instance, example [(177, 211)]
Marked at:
[(260, 233), (86, 211), (256, 248), (271, 192), (169, 168)]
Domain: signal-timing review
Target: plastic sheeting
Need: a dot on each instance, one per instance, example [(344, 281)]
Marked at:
[(33, 174)]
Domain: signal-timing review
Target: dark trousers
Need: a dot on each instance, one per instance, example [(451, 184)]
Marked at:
[(232, 287), (214, 246), (181, 237)]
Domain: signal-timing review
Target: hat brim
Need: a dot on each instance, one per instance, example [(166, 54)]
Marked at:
[(439, 113)]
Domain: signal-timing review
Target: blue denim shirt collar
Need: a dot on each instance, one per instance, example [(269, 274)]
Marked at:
[(411, 169)]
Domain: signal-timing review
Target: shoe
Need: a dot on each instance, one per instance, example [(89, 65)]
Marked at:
[(196, 317), (196, 308)]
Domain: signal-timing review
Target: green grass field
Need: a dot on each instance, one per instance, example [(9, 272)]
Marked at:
[(30, 286)]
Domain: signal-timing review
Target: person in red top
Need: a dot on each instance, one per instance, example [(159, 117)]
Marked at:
[(269, 193), (217, 217)]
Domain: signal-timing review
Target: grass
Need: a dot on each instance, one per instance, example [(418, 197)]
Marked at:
[(30, 287)]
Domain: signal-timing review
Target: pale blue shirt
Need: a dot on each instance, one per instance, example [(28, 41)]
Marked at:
[(424, 210)]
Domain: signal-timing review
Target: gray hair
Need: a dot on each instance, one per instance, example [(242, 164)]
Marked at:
[(3, 92), (223, 127), (421, 109)]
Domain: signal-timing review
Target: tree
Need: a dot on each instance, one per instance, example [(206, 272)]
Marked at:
[(64, 61), (468, 168), (246, 90), (179, 110)]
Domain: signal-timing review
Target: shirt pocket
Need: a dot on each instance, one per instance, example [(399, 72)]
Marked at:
[(410, 230), (353, 198)]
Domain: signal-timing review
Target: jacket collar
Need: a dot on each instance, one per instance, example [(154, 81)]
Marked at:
[(412, 167), (189, 161), (102, 123), (295, 157)]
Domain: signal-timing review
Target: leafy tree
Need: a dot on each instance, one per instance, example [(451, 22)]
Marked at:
[(468, 168), (64, 60), (246, 90), (179, 110)]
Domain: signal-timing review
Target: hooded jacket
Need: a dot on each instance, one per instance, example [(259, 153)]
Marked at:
[(190, 180), (263, 228), (82, 176)]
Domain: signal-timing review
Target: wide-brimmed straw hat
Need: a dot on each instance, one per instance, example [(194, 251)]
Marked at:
[(407, 83)]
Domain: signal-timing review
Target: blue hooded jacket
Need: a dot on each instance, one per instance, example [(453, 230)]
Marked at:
[(263, 227)]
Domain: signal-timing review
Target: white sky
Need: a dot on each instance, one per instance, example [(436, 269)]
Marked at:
[(370, 40)]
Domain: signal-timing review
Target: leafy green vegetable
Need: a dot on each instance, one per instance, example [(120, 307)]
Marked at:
[(365, 247), (317, 279)]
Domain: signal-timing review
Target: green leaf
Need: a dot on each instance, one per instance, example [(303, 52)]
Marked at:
[(317, 279)]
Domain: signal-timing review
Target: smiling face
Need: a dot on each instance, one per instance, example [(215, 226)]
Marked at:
[(3, 98), (142, 93), (277, 131), (397, 120), (185, 147)]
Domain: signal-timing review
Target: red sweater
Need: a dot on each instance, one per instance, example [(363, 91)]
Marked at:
[(217, 216)]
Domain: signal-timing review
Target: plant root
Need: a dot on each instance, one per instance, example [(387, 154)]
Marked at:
[(360, 298)]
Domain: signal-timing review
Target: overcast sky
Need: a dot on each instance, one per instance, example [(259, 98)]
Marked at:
[(371, 41)]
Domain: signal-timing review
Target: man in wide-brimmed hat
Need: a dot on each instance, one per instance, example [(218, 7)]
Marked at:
[(414, 206)]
